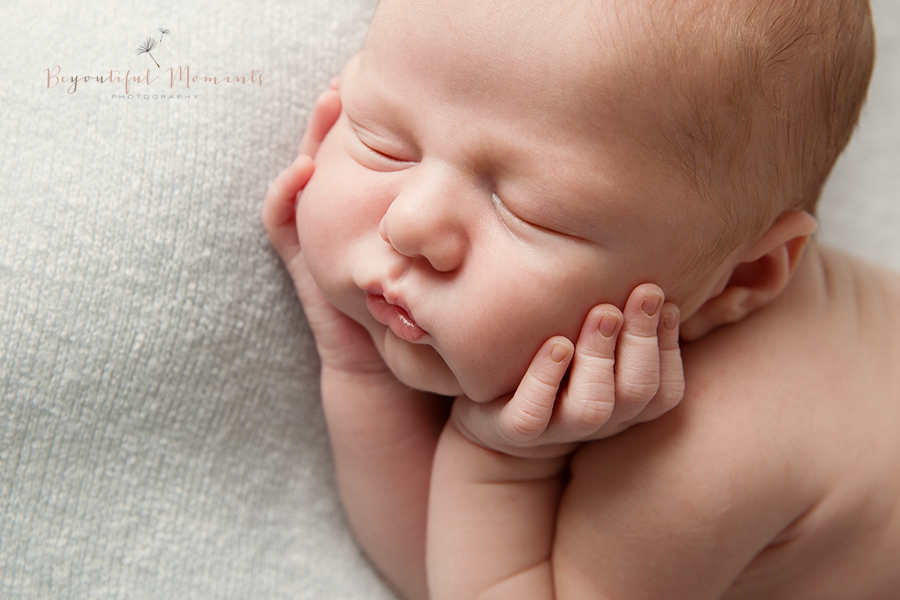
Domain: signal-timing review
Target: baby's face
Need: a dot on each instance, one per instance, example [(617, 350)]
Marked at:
[(473, 199)]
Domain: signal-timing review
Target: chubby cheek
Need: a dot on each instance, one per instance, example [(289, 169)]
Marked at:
[(484, 380), (513, 308), (335, 221), (318, 235), (491, 350)]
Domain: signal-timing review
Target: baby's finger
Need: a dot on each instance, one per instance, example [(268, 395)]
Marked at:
[(526, 416), (637, 355), (671, 369), (324, 114), (590, 395), (278, 207)]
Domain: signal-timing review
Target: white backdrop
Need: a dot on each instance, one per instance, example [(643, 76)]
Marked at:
[(160, 432)]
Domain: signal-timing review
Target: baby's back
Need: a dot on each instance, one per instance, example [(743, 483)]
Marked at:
[(777, 475)]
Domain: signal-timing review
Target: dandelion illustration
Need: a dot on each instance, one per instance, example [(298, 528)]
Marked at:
[(147, 47), (163, 31)]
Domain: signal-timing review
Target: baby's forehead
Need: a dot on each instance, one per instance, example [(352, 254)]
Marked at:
[(702, 89), (510, 32), (628, 71), (571, 58)]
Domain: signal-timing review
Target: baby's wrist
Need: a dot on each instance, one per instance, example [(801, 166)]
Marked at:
[(337, 382), (356, 375), (507, 464), (535, 450)]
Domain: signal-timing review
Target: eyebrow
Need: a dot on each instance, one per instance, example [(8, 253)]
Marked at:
[(369, 113)]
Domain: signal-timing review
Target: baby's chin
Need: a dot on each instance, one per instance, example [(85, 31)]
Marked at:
[(419, 366), (443, 381), (422, 367), (431, 384)]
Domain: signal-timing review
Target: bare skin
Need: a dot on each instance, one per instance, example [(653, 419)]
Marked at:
[(797, 501), (821, 521), (625, 369), (432, 193)]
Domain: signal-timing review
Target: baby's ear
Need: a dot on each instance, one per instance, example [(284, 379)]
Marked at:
[(760, 274)]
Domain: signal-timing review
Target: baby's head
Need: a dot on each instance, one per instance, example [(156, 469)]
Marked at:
[(500, 168), (755, 99)]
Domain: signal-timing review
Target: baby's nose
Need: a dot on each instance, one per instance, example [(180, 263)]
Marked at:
[(428, 225)]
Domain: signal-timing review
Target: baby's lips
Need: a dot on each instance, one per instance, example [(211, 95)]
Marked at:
[(394, 316)]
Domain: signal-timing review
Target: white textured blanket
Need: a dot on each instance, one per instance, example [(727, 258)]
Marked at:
[(160, 433)]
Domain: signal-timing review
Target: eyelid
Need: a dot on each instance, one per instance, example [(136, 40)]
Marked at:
[(380, 153), (361, 137), (506, 214)]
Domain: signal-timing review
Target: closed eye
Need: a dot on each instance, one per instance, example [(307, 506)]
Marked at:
[(505, 214), (509, 217), (382, 155), (374, 154)]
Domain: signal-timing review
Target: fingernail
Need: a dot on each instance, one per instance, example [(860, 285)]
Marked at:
[(651, 305), (559, 353), (671, 320), (608, 324)]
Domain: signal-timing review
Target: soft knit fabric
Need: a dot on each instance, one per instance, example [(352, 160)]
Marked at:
[(160, 427)]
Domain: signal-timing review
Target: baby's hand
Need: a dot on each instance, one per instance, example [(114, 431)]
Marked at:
[(620, 375), (342, 343), (278, 215)]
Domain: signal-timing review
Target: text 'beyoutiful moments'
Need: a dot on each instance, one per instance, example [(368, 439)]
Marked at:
[(180, 76)]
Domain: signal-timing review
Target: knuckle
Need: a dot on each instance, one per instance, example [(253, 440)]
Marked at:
[(526, 422), (636, 390), (541, 383), (597, 390), (640, 331), (594, 363), (670, 394), (593, 414), (584, 408), (640, 361), (672, 384)]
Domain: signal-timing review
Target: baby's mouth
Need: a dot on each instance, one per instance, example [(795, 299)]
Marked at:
[(395, 317)]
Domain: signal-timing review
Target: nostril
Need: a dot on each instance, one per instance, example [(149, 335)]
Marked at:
[(447, 254), (399, 238), (382, 231)]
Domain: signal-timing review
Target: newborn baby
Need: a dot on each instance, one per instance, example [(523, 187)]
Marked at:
[(513, 209)]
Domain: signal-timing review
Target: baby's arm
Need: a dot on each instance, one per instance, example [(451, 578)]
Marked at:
[(500, 468), (383, 434)]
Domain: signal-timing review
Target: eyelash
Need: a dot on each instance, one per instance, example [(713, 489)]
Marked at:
[(506, 215), (379, 155)]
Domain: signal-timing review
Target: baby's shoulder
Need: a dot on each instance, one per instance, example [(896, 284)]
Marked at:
[(834, 334), (766, 399), (782, 441), (798, 393)]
